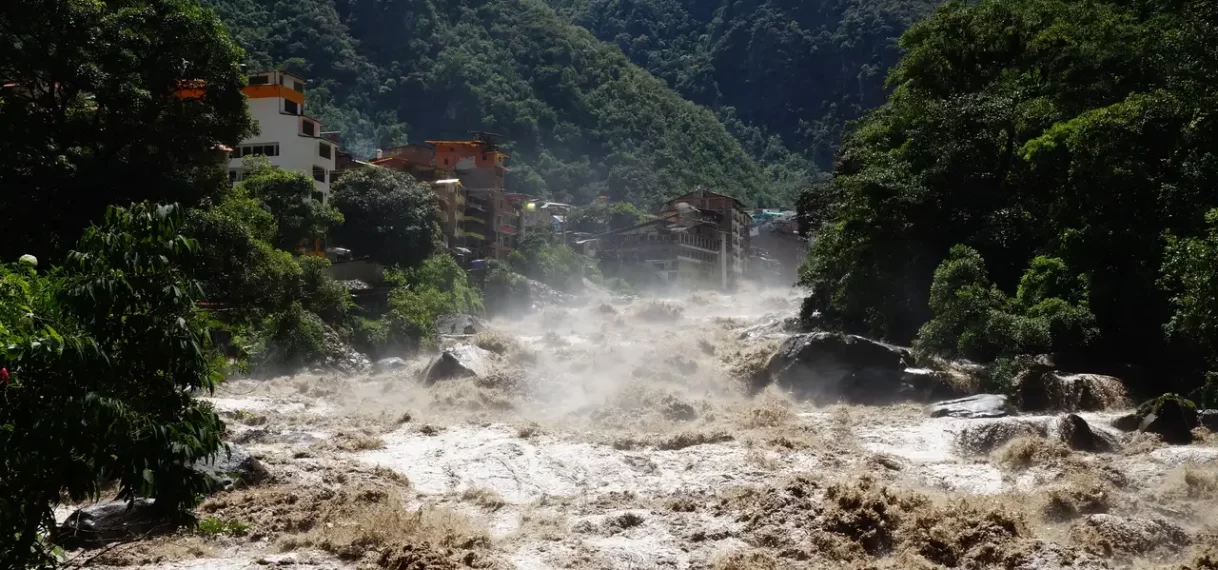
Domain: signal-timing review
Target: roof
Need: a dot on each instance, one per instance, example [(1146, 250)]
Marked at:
[(705, 193), (638, 225)]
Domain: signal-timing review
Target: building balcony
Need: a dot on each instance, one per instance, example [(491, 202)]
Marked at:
[(507, 229)]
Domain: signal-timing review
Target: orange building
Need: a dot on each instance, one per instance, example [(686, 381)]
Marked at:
[(482, 169)]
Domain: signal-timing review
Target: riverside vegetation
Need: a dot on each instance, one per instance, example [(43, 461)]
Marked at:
[(1037, 181)]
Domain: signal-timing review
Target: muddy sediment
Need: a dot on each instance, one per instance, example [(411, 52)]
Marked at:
[(637, 434)]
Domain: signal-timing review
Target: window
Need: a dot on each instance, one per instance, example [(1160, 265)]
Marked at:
[(232, 176), (323, 150), (290, 107), (268, 149), (309, 128), (319, 196), (260, 80), (298, 86), (446, 162), (319, 174)]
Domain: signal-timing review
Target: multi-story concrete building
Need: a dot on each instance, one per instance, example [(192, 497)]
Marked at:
[(733, 223), (289, 138), (670, 251), (489, 213)]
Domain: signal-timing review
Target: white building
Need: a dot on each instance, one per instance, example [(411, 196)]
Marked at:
[(289, 138)]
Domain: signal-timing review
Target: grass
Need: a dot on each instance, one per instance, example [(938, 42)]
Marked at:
[(213, 527)]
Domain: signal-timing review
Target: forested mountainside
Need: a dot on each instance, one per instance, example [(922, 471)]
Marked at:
[(578, 118), (795, 69)]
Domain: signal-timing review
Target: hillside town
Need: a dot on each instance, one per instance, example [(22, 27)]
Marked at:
[(697, 240)]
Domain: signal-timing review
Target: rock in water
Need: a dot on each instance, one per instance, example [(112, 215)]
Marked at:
[(1171, 417), (832, 366), (1208, 419), (1129, 536), (102, 523), (389, 364), (232, 467), (972, 407), (1128, 422), (463, 361), (928, 385), (459, 324), (1042, 389), (1075, 433)]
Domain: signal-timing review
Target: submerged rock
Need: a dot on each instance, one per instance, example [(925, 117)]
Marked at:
[(1128, 422), (462, 361), (1208, 419), (459, 324), (929, 385), (833, 366), (1171, 417), (1078, 435), (1042, 389), (232, 467), (972, 407), (389, 364), (103, 523), (1112, 535)]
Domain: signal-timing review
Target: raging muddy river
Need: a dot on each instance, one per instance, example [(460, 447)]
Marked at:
[(619, 434)]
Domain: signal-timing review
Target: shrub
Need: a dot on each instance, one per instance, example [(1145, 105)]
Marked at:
[(389, 216), (292, 339), (973, 319), (423, 294), (320, 294), (102, 356)]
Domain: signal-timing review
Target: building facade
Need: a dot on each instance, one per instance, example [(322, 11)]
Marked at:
[(489, 214), (289, 138), (671, 251), (732, 221)]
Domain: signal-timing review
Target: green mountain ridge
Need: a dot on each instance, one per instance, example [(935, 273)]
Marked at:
[(579, 119), (778, 72)]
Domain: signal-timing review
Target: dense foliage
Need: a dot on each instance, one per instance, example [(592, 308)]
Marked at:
[(98, 362), (780, 73), (544, 257), (388, 215), (578, 118), (602, 216), (436, 288), (1055, 139), (294, 202), (90, 116)]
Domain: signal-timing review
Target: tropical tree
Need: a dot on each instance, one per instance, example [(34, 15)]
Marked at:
[(100, 360), (109, 103), (389, 216)]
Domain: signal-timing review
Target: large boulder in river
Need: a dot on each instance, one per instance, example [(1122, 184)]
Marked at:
[(833, 366), (1076, 434), (1041, 389), (972, 407), (926, 385), (1171, 417), (232, 466), (99, 524), (461, 361), (459, 324)]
